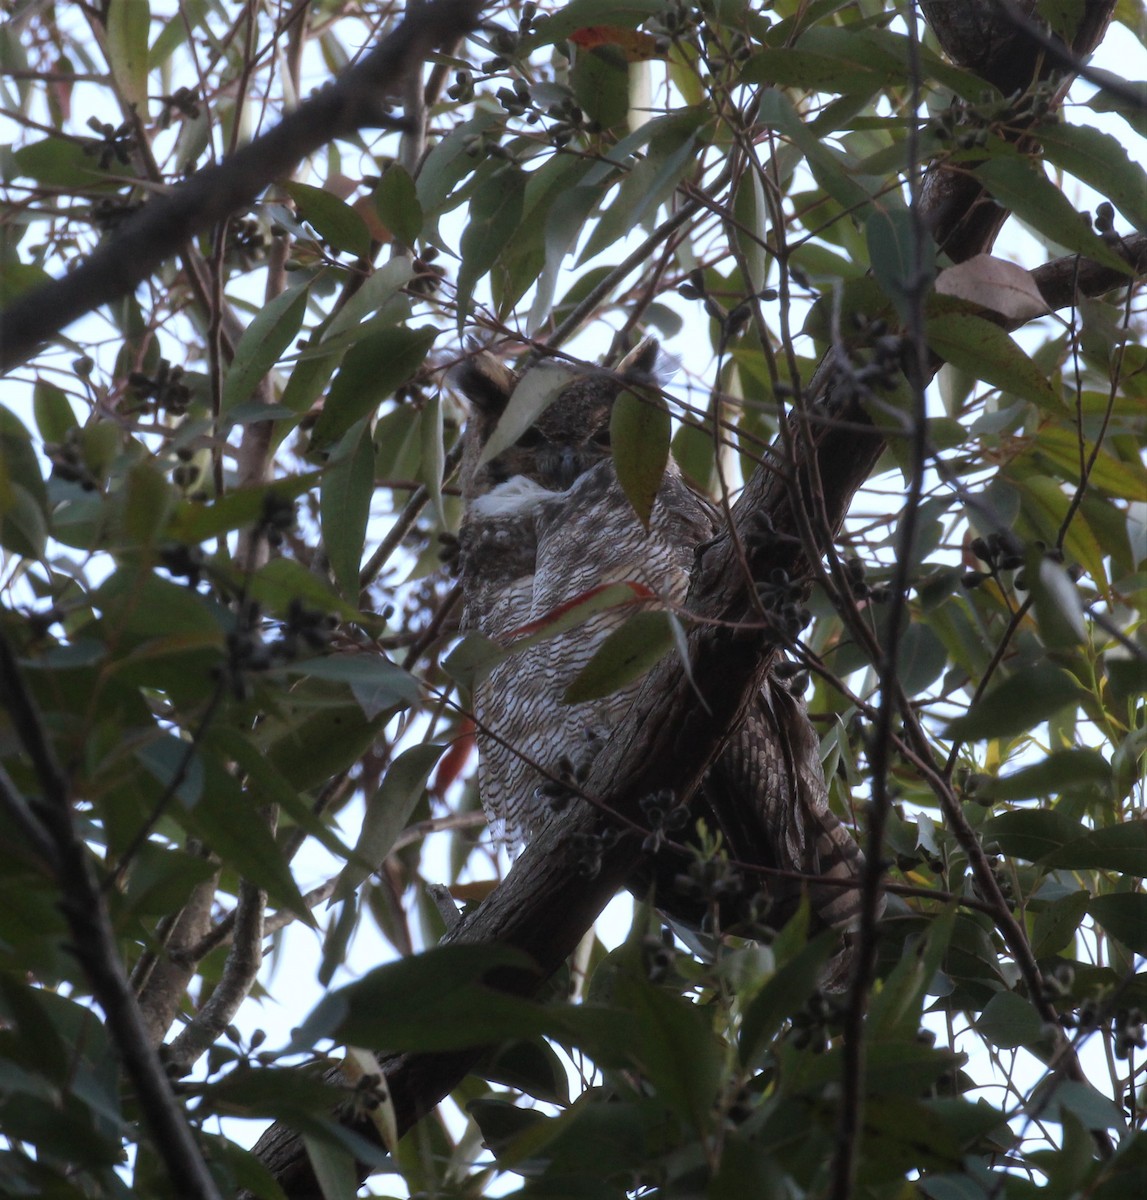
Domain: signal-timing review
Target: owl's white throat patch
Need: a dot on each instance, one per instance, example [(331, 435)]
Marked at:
[(515, 497)]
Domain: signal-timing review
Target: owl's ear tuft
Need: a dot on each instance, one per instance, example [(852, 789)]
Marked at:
[(484, 381), (646, 363)]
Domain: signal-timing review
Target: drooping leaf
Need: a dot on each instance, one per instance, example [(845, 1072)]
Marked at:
[(388, 811), (625, 655), (128, 26), (986, 351), (431, 1001), (1021, 702), (1055, 926), (344, 509), (372, 369), (1009, 1021), (396, 202), (1034, 834), (902, 252), (1121, 847), (495, 213), (535, 392), (1060, 770), (376, 682), (432, 461), (1059, 610), (263, 342), (1124, 916), (335, 221), (639, 434), (1101, 161), (1027, 191)]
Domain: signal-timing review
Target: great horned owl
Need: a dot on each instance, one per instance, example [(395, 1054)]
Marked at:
[(546, 521)]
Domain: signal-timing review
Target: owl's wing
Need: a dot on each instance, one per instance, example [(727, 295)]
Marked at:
[(768, 795)]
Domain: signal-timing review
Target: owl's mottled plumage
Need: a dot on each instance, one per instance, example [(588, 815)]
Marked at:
[(545, 522)]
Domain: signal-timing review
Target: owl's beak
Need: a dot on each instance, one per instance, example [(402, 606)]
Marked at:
[(569, 468)]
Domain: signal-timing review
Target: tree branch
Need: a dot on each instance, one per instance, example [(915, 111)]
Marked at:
[(357, 100), (94, 944)]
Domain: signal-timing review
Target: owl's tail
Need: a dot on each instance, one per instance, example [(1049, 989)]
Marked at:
[(769, 797)]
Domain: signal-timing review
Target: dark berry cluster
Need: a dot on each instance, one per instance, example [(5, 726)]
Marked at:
[(781, 597), (116, 142), (165, 389), (69, 463), (664, 816), (184, 101)]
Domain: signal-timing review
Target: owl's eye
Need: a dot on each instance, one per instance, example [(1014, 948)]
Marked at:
[(529, 440)]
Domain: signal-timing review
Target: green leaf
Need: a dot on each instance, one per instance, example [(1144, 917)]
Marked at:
[(332, 219), (1034, 834), (675, 1048), (1089, 1106), (1061, 770), (1009, 1021), (829, 167), (262, 344), (193, 522), (334, 1168), (495, 212), (322, 744), (1027, 192), (1133, 110), (534, 393), (55, 418), (902, 252), (146, 503), (639, 434), (985, 351), (430, 1001), (600, 82), (1058, 608), (282, 580), (751, 213), (176, 764), (376, 682), (1124, 916), (922, 659), (1101, 161), (432, 462), (1021, 702), (227, 821), (1121, 847), (625, 655), (396, 202), (1055, 926), (578, 14), (388, 812), (57, 162), (371, 371), (344, 509), (784, 994), (128, 26)]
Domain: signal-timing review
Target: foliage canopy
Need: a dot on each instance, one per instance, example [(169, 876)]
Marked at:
[(228, 648)]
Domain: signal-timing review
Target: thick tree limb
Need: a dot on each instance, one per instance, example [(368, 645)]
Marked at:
[(357, 100)]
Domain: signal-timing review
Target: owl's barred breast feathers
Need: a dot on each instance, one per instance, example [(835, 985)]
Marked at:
[(546, 521)]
